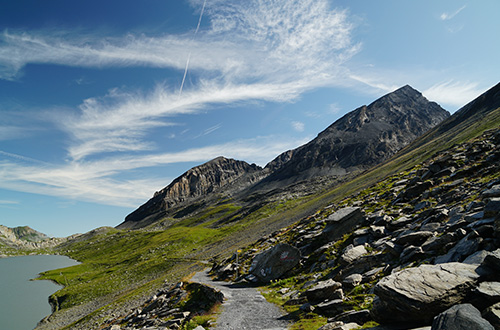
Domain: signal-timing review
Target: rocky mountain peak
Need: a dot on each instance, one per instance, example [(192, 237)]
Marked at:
[(363, 137), (197, 182)]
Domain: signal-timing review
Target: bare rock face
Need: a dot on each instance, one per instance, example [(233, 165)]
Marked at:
[(363, 137), (198, 181)]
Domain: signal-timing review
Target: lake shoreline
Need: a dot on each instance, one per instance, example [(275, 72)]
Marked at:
[(26, 299)]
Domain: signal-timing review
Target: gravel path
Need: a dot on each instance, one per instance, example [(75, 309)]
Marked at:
[(244, 307)]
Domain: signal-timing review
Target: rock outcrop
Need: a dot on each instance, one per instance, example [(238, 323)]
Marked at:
[(209, 178)]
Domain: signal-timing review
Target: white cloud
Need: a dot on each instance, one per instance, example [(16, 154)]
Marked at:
[(448, 16), (454, 93), (6, 202), (298, 126), (98, 181), (251, 51)]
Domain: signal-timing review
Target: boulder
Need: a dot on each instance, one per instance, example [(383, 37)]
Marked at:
[(351, 253), (464, 248), (352, 280), (359, 317), (418, 294), (343, 221), (461, 317), (492, 314), (332, 307), (415, 238), (492, 192), (486, 294), (324, 290), (492, 208), (274, 262)]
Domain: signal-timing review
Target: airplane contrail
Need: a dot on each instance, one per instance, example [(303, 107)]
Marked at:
[(189, 55)]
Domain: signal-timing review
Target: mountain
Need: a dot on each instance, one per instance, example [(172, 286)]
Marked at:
[(362, 138), (200, 181), (23, 233), (359, 140)]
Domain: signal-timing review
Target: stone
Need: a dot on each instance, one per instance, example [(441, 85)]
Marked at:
[(307, 307), (323, 290), (492, 315), (461, 317), (464, 248), (331, 325), (359, 317), (199, 328), (486, 294), (492, 208), (415, 238), (332, 307), (343, 221), (353, 280), (492, 192), (492, 260), (418, 294), (421, 206), (476, 258), (411, 253), (351, 253), (274, 262)]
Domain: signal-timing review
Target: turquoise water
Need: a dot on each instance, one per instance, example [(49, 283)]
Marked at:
[(23, 302)]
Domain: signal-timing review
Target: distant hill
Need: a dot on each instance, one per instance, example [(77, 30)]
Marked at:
[(357, 141)]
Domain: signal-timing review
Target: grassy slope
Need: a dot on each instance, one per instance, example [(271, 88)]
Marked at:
[(122, 264)]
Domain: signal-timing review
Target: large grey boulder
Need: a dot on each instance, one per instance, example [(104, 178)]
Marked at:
[(418, 294), (351, 253), (464, 248), (461, 317), (324, 290), (343, 221), (274, 262)]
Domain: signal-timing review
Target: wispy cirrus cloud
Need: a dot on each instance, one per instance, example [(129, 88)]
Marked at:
[(252, 50), (98, 181), (446, 16), (455, 93), (249, 51)]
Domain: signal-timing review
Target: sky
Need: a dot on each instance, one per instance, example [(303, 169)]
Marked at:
[(102, 103)]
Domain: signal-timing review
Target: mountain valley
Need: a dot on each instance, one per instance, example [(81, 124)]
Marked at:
[(422, 187)]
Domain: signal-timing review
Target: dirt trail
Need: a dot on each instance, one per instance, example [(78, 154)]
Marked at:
[(244, 307)]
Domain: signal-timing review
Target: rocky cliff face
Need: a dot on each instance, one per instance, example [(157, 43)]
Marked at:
[(199, 181), (362, 138)]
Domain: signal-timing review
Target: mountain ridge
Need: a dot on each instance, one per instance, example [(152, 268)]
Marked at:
[(360, 139)]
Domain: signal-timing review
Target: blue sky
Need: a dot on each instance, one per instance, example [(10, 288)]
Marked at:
[(103, 103)]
